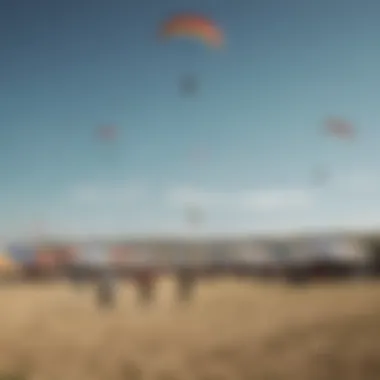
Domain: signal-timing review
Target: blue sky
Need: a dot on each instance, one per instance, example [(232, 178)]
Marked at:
[(68, 67)]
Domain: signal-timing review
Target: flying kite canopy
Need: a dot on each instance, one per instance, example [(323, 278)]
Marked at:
[(199, 155), (107, 132), (339, 128), (193, 26)]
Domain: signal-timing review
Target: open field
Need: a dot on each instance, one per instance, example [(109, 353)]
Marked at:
[(233, 330)]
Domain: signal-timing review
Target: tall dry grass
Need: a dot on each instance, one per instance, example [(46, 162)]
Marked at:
[(232, 330)]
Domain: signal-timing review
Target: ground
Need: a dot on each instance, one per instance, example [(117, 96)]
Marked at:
[(233, 331)]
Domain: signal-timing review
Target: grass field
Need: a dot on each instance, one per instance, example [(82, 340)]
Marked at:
[(233, 330)]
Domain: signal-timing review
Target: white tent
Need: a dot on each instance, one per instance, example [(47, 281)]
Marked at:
[(93, 254), (256, 254), (338, 249)]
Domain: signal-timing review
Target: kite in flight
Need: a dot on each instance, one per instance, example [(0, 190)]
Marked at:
[(197, 28), (339, 128), (192, 26), (107, 132)]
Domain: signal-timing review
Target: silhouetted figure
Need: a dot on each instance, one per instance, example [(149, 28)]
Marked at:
[(186, 281), (106, 290), (189, 85), (145, 280), (75, 275)]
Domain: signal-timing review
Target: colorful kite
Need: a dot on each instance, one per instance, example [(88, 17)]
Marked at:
[(339, 128), (107, 133), (192, 26)]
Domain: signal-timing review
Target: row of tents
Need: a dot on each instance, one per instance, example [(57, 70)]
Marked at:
[(249, 256), (53, 259)]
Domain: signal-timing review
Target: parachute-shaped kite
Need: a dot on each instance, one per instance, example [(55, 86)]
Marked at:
[(107, 132), (192, 26), (107, 136), (199, 155), (339, 128)]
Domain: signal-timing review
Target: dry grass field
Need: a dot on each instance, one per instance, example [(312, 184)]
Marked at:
[(233, 330)]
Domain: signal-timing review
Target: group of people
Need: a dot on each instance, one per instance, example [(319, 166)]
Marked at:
[(145, 282)]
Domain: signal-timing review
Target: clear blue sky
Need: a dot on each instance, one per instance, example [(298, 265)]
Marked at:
[(69, 66)]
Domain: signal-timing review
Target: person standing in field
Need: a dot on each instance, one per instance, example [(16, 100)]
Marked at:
[(75, 275), (106, 290), (186, 281), (145, 280)]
